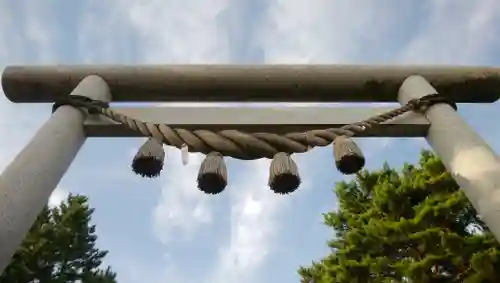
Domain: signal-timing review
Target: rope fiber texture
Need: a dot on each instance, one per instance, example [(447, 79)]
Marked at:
[(241, 145)]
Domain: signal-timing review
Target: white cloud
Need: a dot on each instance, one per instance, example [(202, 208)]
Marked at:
[(254, 210), (16, 128), (30, 41), (325, 32), (297, 32), (179, 31), (58, 195), (456, 32), (181, 207)]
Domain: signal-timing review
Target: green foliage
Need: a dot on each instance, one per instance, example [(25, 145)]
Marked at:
[(60, 247), (409, 226)]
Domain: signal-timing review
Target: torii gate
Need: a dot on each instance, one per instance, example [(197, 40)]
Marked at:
[(81, 94)]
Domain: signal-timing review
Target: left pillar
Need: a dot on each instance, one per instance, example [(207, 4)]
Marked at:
[(28, 181)]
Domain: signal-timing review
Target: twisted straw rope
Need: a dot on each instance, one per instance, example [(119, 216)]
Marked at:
[(248, 146)]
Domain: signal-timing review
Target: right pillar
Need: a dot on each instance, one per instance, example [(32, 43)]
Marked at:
[(472, 162)]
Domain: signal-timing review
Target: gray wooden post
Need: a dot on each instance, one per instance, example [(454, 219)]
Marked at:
[(472, 163), (27, 183)]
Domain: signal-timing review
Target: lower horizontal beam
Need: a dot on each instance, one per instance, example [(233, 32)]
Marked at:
[(273, 120)]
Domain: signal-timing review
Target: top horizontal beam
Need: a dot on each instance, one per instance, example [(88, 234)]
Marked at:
[(251, 83)]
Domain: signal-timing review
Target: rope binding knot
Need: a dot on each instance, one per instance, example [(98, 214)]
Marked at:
[(93, 106), (421, 105)]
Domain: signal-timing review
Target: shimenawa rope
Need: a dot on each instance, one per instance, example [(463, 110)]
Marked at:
[(247, 146)]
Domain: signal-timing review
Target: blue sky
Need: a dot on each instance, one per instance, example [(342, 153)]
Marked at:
[(164, 230)]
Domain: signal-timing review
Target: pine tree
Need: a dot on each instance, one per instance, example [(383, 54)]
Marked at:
[(409, 226), (60, 247)]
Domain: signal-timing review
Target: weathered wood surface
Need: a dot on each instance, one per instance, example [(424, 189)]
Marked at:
[(268, 119), (245, 83)]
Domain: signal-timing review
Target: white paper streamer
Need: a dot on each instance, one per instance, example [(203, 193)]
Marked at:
[(185, 154)]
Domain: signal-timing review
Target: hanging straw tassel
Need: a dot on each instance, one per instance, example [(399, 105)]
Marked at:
[(283, 174), (348, 156), (148, 162), (212, 178)]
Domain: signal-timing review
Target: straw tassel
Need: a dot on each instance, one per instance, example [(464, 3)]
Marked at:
[(212, 177), (349, 158), (148, 162), (283, 174)]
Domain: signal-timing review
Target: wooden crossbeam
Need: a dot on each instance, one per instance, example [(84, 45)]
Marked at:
[(251, 83), (263, 119)]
